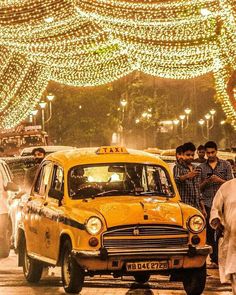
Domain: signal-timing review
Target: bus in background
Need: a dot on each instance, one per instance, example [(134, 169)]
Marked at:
[(15, 139)]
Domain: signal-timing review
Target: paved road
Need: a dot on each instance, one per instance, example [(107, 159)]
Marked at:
[(12, 282)]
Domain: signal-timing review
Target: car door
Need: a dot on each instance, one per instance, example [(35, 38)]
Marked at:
[(33, 215), (12, 202), (51, 213)]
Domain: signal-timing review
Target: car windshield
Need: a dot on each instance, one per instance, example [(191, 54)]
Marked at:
[(119, 179)]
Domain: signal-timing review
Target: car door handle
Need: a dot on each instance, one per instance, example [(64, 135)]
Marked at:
[(30, 199), (45, 204)]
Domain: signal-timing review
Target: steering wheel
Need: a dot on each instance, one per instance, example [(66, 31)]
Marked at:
[(88, 190)]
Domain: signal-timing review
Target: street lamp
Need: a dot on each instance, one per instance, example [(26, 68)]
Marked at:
[(209, 123), (182, 118), (176, 122), (123, 104), (34, 114), (42, 105), (50, 98), (187, 112)]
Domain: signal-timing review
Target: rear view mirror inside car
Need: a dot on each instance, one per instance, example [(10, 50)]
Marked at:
[(116, 169)]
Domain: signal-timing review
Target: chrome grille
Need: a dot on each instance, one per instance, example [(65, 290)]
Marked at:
[(145, 236), (145, 243), (146, 231)]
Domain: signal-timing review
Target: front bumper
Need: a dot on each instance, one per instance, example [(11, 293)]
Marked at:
[(104, 253)]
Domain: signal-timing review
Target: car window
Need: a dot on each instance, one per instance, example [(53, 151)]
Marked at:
[(57, 182), (123, 178), (158, 180), (43, 178)]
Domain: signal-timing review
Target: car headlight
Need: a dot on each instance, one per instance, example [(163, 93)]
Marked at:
[(196, 224), (94, 225)]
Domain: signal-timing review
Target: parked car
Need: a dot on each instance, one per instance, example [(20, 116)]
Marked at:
[(7, 225), (48, 149), (110, 210)]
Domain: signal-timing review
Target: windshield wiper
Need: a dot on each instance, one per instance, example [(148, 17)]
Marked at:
[(154, 193), (114, 191)]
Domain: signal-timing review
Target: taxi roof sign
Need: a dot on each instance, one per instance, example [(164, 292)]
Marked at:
[(112, 150)]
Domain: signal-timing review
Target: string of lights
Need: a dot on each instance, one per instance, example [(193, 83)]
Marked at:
[(93, 42)]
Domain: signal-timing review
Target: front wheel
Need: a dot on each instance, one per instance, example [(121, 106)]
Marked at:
[(32, 268), (194, 280), (142, 277), (72, 274)]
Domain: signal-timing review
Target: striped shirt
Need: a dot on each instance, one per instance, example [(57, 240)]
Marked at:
[(189, 189), (223, 170)]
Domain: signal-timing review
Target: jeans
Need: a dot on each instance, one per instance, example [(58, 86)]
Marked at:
[(212, 238)]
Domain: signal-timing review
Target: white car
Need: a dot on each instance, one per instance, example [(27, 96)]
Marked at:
[(8, 190), (48, 149)]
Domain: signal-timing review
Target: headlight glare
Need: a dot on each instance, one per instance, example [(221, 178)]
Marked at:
[(196, 224), (93, 225)]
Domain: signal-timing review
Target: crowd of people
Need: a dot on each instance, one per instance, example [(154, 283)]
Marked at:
[(207, 183)]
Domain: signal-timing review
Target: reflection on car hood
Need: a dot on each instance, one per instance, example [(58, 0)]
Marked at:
[(132, 210)]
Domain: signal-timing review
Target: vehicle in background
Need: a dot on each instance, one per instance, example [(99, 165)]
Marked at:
[(15, 139), (18, 166), (7, 211), (167, 156), (48, 149), (110, 210)]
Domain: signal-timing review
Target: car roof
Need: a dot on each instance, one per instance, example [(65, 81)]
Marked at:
[(47, 148), (82, 156)]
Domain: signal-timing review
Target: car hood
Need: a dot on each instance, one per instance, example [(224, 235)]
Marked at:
[(127, 210)]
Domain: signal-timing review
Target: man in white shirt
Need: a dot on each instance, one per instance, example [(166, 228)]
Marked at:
[(223, 220)]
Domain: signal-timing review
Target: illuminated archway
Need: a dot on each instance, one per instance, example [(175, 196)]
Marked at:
[(92, 42)]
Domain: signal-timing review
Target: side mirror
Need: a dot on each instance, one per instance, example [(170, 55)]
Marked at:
[(56, 194), (11, 186)]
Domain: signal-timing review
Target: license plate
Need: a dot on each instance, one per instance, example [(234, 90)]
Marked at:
[(147, 265)]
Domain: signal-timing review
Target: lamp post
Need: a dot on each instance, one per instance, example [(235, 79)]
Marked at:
[(145, 117), (50, 98), (34, 114), (42, 105), (182, 118), (187, 112), (175, 127), (123, 104), (209, 120)]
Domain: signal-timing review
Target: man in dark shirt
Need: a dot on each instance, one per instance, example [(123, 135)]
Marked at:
[(201, 154), (187, 178), (214, 172), (179, 153), (39, 155)]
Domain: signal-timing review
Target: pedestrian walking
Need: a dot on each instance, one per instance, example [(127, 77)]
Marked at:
[(214, 172), (179, 153), (201, 154), (222, 219), (233, 166), (187, 178)]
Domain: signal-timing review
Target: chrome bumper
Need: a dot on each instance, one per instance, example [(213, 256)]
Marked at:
[(104, 253)]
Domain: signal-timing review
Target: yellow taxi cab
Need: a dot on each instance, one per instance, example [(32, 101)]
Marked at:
[(110, 210)]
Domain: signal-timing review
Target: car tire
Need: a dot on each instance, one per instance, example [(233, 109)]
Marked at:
[(32, 268), (5, 242), (142, 277), (194, 280), (72, 274)]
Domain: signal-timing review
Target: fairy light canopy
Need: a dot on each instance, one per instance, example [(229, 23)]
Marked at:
[(93, 42)]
